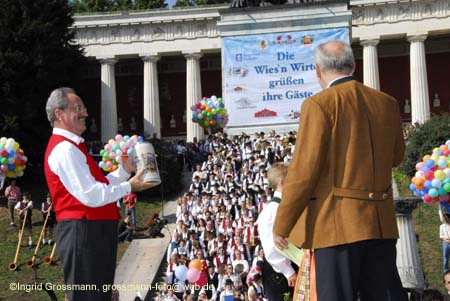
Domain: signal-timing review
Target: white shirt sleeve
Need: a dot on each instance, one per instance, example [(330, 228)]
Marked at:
[(265, 227), (70, 165)]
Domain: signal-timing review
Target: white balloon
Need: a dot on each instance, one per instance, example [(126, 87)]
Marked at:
[(447, 172), (419, 174)]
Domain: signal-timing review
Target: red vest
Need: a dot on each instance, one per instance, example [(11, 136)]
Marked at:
[(66, 205)]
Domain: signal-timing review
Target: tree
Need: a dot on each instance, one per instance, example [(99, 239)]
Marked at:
[(37, 54), (149, 4), (89, 6), (183, 3)]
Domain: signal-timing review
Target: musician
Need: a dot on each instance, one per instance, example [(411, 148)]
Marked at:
[(47, 210), (22, 207)]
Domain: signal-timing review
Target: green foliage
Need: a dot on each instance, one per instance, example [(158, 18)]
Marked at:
[(88, 6), (423, 139), (426, 223), (149, 4), (403, 182), (37, 54), (183, 3)]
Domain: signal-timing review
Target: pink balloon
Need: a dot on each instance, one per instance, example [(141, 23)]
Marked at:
[(202, 280), (420, 165), (193, 275)]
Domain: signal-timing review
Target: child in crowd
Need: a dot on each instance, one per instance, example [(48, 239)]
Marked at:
[(278, 274)]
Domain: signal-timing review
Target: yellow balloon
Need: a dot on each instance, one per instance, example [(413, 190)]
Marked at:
[(439, 174)]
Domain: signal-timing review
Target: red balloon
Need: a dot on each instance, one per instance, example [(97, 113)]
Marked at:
[(429, 175), (3, 153), (202, 280), (428, 199)]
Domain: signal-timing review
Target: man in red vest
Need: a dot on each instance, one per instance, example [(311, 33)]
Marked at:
[(84, 201)]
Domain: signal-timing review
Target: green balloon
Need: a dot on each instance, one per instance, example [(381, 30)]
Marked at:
[(4, 161), (447, 187)]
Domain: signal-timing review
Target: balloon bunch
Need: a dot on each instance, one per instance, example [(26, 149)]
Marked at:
[(210, 112), (432, 179), (12, 158), (195, 274), (117, 150)]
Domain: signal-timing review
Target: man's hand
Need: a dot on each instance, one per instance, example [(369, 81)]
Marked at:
[(291, 280), (138, 185), (280, 242)]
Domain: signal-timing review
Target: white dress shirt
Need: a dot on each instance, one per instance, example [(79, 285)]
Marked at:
[(265, 228)]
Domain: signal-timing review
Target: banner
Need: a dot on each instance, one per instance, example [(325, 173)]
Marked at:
[(267, 77)]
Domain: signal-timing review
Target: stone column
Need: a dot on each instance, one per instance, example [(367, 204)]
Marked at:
[(109, 102), (193, 93), (408, 261), (370, 63), (420, 104), (152, 118)]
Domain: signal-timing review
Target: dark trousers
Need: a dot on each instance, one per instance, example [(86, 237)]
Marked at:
[(275, 285), (87, 250), (366, 267)]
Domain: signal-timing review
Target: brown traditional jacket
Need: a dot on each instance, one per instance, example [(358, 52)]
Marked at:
[(338, 187)]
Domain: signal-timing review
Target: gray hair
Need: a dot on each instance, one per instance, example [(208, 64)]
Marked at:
[(337, 59), (57, 100)]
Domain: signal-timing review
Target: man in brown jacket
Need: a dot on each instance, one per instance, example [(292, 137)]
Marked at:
[(337, 197)]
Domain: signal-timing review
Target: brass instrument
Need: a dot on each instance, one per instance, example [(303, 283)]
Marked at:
[(30, 262), (13, 265), (48, 259)]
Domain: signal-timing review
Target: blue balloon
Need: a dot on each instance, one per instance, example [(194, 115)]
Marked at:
[(430, 163), (11, 167), (181, 272), (436, 183), (222, 105), (11, 153), (140, 139), (427, 184), (442, 162), (412, 187)]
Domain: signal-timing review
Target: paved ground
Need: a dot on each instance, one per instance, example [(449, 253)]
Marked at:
[(139, 265)]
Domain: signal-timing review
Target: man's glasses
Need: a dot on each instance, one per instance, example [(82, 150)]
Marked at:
[(78, 109)]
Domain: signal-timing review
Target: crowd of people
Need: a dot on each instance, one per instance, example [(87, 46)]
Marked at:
[(217, 216)]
